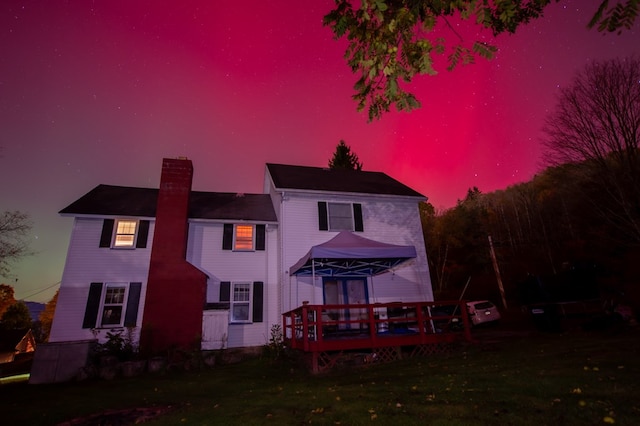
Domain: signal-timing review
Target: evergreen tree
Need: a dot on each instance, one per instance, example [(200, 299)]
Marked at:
[(343, 158), (16, 317)]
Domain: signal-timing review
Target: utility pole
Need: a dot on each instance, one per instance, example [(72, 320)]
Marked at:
[(497, 271)]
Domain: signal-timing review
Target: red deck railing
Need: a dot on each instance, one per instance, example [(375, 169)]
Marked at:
[(324, 328)]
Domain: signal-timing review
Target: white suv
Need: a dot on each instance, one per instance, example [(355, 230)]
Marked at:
[(482, 311)]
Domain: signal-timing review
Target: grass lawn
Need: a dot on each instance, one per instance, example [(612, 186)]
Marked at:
[(543, 379)]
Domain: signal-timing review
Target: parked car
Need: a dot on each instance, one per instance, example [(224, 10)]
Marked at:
[(446, 318), (482, 311)]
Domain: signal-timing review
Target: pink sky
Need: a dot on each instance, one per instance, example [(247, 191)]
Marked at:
[(99, 92)]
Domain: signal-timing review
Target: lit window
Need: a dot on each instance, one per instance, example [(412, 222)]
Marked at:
[(125, 233), (113, 305), (340, 217), (244, 237), (240, 302)]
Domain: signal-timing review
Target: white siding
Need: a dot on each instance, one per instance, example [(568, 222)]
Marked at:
[(205, 252), (388, 219), (393, 220), (87, 263)]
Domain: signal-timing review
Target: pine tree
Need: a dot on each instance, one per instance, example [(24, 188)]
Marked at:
[(343, 158)]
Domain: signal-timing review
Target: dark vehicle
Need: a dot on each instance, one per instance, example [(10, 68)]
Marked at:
[(446, 318)]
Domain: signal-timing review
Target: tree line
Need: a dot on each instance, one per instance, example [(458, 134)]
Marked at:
[(581, 213), (15, 315)]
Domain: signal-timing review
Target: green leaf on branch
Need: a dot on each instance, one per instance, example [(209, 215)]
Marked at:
[(395, 39)]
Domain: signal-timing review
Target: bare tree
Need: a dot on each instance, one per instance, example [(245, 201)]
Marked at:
[(596, 126), (14, 227)]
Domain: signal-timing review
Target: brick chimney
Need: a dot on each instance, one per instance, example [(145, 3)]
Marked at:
[(176, 290)]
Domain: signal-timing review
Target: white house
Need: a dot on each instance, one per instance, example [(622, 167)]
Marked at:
[(177, 267), (314, 204)]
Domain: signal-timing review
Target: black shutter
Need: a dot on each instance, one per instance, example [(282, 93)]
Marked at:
[(323, 223), (131, 314), (227, 236), (357, 217), (258, 289), (260, 237), (225, 291), (107, 232), (143, 234), (93, 305)]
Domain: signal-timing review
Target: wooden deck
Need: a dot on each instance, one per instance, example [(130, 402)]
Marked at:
[(382, 330)]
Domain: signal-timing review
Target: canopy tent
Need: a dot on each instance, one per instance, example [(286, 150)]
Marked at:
[(348, 254)]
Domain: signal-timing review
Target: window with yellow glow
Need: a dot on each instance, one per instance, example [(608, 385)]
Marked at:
[(244, 237), (125, 233)]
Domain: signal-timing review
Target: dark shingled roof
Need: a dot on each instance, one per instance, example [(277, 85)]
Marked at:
[(336, 180), (107, 200)]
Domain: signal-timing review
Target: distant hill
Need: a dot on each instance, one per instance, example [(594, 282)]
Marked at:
[(34, 309)]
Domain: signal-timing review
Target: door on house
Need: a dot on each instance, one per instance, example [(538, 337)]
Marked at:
[(346, 291)]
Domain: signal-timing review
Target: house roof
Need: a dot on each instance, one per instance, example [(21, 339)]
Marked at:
[(9, 339), (108, 200), (336, 180)]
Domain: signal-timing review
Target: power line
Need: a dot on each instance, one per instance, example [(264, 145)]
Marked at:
[(39, 291)]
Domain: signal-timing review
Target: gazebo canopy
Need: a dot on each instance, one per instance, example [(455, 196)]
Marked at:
[(352, 255)]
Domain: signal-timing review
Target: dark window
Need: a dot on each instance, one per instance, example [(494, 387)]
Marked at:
[(245, 299), (340, 217), (112, 305)]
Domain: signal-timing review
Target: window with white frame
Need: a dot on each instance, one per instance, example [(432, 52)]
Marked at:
[(240, 302), (125, 235), (245, 300), (113, 304), (340, 217), (333, 216), (243, 237)]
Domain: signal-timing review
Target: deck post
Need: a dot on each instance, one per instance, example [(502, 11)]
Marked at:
[(421, 322), (465, 321)]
